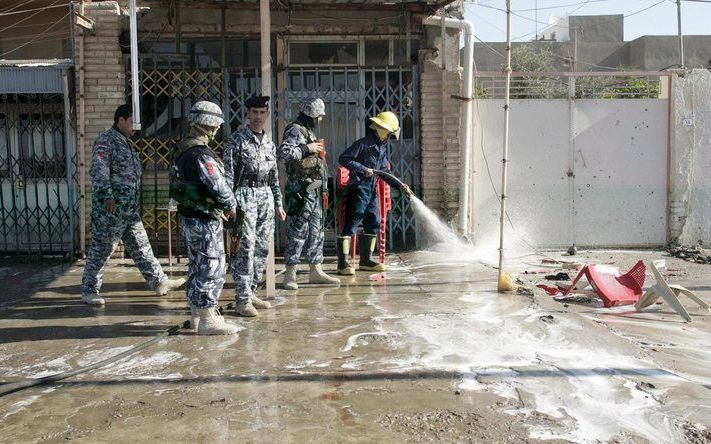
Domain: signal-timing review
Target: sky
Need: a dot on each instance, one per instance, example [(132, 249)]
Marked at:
[(659, 19)]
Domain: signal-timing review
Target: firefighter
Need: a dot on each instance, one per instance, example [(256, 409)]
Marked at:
[(363, 159)]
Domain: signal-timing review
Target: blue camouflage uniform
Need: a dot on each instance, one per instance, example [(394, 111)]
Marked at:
[(116, 174), (251, 171), (304, 187), (361, 198), (196, 164)]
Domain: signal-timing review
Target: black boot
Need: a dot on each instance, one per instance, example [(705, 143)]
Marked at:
[(343, 244), (366, 246)]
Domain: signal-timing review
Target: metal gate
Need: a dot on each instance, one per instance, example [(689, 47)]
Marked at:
[(169, 88), (38, 202)]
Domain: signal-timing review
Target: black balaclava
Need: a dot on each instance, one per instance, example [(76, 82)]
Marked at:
[(306, 121)]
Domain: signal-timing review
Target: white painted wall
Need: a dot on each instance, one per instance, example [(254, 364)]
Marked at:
[(617, 151)]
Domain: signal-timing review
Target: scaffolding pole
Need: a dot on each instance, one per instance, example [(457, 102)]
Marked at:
[(505, 154)]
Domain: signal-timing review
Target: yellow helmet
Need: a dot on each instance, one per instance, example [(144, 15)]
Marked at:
[(388, 121)]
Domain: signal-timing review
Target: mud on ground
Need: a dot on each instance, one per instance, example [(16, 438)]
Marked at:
[(432, 353)]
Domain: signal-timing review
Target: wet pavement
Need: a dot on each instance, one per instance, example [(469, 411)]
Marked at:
[(430, 353)]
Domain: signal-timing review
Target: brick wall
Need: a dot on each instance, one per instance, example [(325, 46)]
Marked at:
[(441, 167), (104, 80)]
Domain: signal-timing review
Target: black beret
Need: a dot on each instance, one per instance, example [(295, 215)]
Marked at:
[(257, 102)]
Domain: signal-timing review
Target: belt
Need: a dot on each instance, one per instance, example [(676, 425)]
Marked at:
[(253, 183)]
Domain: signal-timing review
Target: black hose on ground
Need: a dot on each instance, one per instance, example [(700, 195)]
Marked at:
[(12, 387)]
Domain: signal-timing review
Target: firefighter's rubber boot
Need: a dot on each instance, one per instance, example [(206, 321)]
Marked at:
[(245, 309), (260, 304), (169, 284), (289, 281), (317, 276), (92, 299), (367, 246), (211, 323), (343, 244)]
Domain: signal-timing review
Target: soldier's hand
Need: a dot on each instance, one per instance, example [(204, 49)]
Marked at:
[(408, 192), (369, 172), (281, 213), (315, 147), (232, 214), (110, 205)]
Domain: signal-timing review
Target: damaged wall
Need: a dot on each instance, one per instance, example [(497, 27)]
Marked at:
[(690, 191), (615, 150)]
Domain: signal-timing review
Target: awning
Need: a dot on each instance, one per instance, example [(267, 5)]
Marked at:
[(33, 76)]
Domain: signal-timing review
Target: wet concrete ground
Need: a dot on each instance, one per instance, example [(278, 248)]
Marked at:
[(431, 353)]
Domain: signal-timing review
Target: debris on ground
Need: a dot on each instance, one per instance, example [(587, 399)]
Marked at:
[(690, 254), (561, 276), (549, 289), (524, 291)]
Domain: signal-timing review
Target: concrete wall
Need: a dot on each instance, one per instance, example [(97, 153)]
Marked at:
[(615, 151), (690, 191), (658, 52)]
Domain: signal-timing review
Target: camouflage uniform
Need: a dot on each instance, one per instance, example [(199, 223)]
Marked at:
[(251, 171), (116, 174), (303, 197), (203, 232)]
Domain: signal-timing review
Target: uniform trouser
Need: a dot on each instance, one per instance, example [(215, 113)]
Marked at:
[(361, 205), (206, 255), (106, 231), (304, 229), (257, 231)]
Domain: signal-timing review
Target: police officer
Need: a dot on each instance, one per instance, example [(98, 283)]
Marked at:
[(116, 180), (362, 159), (306, 182), (251, 171), (204, 199)]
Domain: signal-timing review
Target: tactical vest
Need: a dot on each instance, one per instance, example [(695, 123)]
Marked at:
[(193, 197), (310, 166)]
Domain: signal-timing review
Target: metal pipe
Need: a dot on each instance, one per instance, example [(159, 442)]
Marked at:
[(466, 137), (504, 160), (681, 36), (135, 84)]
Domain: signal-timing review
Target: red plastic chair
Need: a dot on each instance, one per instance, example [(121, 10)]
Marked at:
[(383, 191), (614, 289)]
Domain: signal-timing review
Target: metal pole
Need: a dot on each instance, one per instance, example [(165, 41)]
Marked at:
[(504, 160), (681, 36), (134, 67), (266, 62), (81, 162)]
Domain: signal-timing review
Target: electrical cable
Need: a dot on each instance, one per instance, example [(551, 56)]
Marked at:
[(27, 18), (35, 38), (19, 5), (44, 8), (566, 26)]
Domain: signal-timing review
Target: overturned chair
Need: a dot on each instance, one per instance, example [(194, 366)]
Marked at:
[(612, 287), (670, 294)]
